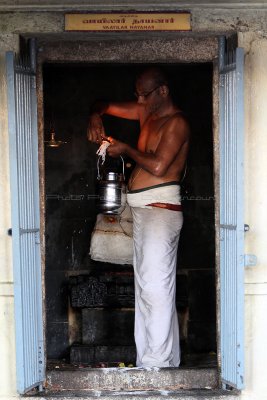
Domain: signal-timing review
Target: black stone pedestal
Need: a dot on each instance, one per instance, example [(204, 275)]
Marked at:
[(105, 301), (93, 355)]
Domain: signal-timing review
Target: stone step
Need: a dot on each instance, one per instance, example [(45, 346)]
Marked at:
[(117, 379), (205, 394)]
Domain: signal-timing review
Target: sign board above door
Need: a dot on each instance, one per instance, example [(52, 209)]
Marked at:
[(132, 22)]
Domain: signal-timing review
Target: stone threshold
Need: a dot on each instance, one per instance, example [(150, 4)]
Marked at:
[(133, 384), (209, 394), (132, 379)]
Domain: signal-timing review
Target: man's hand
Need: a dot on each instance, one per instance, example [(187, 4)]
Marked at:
[(116, 148), (95, 131)]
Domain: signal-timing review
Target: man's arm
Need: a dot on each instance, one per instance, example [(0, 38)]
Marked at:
[(175, 135), (128, 110)]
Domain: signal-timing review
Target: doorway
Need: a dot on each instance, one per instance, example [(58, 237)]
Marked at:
[(88, 335)]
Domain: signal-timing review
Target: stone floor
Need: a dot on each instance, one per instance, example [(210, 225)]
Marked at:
[(206, 360)]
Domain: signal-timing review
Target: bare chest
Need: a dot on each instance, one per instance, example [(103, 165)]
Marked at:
[(150, 136)]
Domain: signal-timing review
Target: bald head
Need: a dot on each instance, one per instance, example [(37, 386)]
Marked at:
[(155, 75)]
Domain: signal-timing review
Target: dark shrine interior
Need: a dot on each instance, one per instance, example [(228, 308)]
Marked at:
[(79, 330)]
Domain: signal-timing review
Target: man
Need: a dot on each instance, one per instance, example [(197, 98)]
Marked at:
[(154, 197)]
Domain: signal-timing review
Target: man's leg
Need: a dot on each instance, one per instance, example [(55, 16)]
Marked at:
[(156, 236)]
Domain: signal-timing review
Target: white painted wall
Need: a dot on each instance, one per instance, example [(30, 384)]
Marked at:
[(256, 215)]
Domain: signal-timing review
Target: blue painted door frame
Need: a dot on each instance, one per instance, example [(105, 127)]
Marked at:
[(231, 108), (24, 172)]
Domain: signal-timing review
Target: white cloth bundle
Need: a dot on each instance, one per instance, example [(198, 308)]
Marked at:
[(111, 240), (101, 152)]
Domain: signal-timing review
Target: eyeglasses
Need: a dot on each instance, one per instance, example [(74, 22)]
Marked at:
[(145, 95)]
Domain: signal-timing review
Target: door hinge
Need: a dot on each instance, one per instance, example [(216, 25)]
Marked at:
[(23, 231), (228, 226), (250, 260), (246, 228), (33, 82)]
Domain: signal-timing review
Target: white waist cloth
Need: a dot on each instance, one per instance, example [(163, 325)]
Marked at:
[(156, 234), (168, 192)]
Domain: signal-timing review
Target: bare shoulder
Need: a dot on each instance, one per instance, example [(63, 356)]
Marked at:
[(178, 124), (180, 118), (143, 113)]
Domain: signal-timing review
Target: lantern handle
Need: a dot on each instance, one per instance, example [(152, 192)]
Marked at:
[(99, 177)]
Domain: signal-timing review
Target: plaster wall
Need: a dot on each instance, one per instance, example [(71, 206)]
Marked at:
[(255, 213), (252, 28)]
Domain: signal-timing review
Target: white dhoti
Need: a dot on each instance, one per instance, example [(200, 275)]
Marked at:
[(156, 234)]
